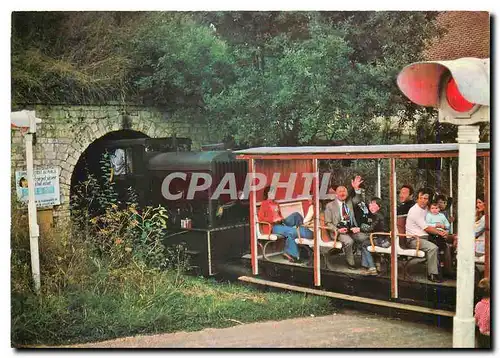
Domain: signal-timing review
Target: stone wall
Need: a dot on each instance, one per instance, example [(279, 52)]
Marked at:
[(66, 131)]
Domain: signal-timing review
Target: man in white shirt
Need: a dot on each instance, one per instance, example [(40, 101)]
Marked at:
[(417, 226)]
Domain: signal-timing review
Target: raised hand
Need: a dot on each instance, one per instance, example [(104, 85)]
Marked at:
[(356, 182)]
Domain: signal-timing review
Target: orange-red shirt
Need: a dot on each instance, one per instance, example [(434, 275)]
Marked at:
[(269, 212)]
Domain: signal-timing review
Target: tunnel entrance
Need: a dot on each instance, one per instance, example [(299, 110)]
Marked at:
[(89, 164)]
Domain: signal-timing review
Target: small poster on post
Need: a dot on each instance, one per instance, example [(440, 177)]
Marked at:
[(46, 187)]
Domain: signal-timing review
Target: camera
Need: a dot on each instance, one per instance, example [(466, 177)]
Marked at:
[(344, 224)]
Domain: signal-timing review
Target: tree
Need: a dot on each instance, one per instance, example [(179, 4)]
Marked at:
[(322, 79), (178, 61)]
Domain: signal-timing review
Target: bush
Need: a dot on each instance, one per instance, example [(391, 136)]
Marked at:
[(64, 258), (123, 234)]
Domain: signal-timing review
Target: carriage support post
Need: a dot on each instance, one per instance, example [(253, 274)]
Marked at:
[(463, 322), (253, 209), (394, 237), (379, 191), (450, 170), (317, 258), (486, 173)]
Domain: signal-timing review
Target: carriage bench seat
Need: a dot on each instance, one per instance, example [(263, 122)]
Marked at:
[(288, 207), (401, 228), (415, 253), (310, 243), (296, 206), (323, 239), (385, 252)]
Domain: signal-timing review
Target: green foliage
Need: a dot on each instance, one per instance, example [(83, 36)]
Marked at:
[(107, 191), (310, 89), (328, 78), (178, 61), (63, 261), (124, 235)]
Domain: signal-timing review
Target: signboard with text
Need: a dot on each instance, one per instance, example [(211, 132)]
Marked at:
[(46, 186)]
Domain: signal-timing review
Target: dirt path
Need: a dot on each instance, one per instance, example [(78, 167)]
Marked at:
[(350, 329)]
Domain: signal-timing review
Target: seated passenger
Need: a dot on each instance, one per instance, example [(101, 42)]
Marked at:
[(444, 204), (416, 225), (479, 227), (436, 219), (482, 315), (270, 212), (375, 223), (339, 216), (406, 201), (309, 218)]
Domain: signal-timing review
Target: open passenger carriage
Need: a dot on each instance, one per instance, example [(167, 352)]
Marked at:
[(328, 269)]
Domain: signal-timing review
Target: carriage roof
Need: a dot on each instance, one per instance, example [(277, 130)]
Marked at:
[(360, 149)]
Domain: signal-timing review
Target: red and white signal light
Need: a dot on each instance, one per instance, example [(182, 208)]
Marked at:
[(459, 88), (455, 99)]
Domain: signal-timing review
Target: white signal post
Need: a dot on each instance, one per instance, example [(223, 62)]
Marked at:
[(27, 119), (460, 90)]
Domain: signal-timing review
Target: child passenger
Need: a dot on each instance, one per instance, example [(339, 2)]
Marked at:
[(437, 219), (482, 315), (375, 222)]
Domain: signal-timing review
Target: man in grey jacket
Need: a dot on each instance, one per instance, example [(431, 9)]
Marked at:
[(339, 216)]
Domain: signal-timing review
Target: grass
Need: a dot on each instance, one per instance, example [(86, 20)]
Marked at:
[(150, 302)]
